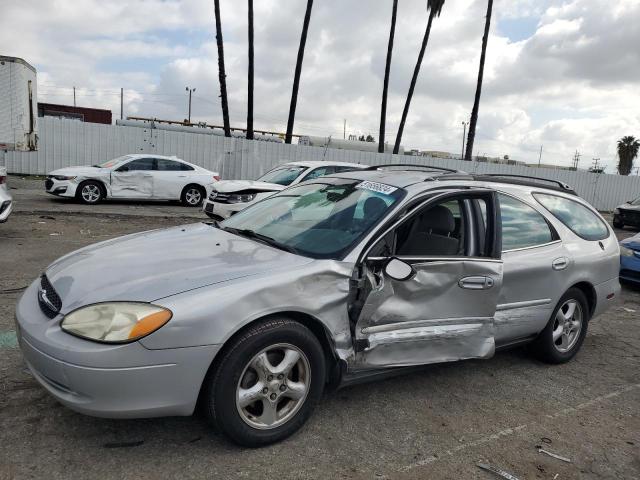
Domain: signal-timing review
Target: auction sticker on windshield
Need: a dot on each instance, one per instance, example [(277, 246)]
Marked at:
[(376, 187)]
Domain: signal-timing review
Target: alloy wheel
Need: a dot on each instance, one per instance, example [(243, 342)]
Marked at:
[(273, 386), (567, 326), (193, 196), (90, 193)]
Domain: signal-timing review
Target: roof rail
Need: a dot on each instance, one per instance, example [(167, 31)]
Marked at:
[(412, 166), (523, 180)]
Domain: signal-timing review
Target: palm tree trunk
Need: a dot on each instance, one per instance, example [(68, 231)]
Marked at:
[(250, 76), (414, 79), (296, 78), (476, 103), (221, 73), (387, 70)]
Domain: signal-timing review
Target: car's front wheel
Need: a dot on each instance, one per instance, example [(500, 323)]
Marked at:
[(561, 339), (617, 223), (90, 192), (267, 383)]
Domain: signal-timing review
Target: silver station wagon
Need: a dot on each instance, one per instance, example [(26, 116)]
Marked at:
[(326, 283)]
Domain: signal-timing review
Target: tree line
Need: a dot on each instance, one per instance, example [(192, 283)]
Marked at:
[(627, 146)]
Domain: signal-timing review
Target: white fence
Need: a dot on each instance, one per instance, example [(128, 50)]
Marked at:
[(65, 143)]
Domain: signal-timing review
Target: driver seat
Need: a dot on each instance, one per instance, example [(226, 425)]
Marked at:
[(430, 234)]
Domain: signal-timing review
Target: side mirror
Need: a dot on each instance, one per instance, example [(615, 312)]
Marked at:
[(123, 168), (398, 270)]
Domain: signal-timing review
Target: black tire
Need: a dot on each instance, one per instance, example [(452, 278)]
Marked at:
[(90, 192), (187, 198), (617, 223), (221, 383), (545, 348)]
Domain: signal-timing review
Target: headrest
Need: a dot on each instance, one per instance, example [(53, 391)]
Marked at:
[(437, 219)]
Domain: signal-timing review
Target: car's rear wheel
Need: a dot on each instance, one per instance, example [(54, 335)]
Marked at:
[(561, 339), (90, 192), (266, 385), (192, 196)]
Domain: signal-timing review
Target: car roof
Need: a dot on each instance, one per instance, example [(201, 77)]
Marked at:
[(134, 156), (320, 163), (422, 179)]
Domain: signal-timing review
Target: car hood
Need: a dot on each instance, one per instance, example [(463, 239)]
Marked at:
[(79, 171), (229, 186), (151, 265), (628, 206), (632, 242)]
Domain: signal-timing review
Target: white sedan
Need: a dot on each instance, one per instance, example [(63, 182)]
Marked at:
[(231, 196), (6, 204), (134, 177)]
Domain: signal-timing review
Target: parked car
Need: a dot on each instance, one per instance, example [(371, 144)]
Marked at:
[(6, 202), (630, 259), (323, 284), (134, 177), (231, 196), (627, 214)]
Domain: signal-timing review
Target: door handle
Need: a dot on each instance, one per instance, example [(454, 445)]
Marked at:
[(476, 283), (560, 263)]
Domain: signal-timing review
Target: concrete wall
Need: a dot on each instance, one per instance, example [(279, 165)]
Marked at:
[(65, 143)]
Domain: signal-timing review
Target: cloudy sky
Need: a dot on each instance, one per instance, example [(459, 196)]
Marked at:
[(560, 73)]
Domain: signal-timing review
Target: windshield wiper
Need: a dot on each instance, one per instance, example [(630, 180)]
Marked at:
[(246, 232)]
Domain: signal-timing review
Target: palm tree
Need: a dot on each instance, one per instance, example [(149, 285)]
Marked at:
[(476, 103), (221, 73), (627, 151), (387, 70), (434, 7), (250, 76), (296, 77)]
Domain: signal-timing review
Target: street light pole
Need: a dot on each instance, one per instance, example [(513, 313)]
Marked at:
[(190, 90), (464, 134)]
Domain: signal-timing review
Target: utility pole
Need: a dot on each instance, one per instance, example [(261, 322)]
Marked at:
[(464, 134), (190, 90), (74, 96), (540, 157), (576, 160), (121, 102), (344, 130), (595, 166)]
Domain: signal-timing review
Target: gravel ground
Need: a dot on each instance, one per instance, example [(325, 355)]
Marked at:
[(436, 423)]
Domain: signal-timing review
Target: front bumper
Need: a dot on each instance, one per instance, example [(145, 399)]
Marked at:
[(630, 268), (223, 210), (627, 217), (113, 381), (60, 188)]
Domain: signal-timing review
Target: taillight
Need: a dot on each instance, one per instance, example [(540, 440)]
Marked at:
[(216, 178), (3, 179)]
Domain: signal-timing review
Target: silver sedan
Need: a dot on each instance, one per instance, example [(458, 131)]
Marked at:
[(323, 284)]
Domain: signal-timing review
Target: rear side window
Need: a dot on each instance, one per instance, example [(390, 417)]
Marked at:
[(522, 226), (580, 219)]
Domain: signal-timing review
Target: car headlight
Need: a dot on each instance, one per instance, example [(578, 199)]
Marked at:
[(115, 322), (241, 197), (62, 177), (616, 211), (625, 252)]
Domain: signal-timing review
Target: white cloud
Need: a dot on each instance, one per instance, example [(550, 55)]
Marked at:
[(571, 85)]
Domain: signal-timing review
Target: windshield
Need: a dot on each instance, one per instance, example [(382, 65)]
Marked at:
[(282, 175), (318, 220), (635, 202), (114, 162)]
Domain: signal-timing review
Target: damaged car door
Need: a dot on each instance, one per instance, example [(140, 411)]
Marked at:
[(133, 179), (430, 283)]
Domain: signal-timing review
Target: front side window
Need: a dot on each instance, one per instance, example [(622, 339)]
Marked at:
[(319, 220), (522, 225), (139, 164), (580, 219), (114, 162), (282, 175)]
